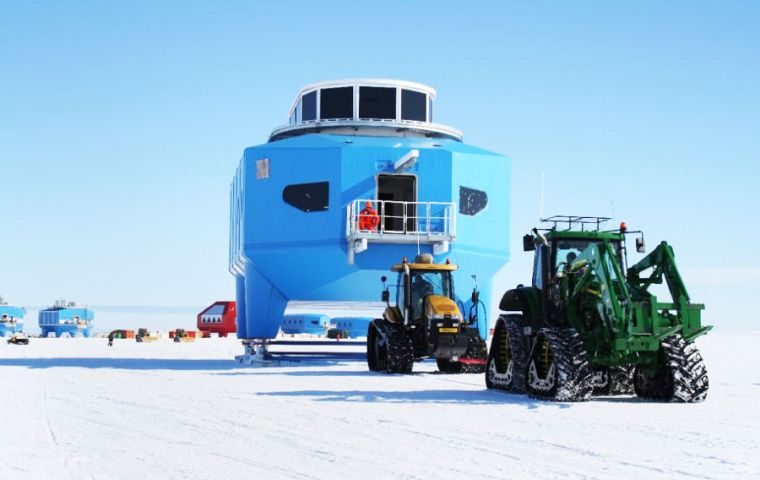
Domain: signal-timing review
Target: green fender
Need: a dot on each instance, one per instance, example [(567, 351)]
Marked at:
[(526, 300)]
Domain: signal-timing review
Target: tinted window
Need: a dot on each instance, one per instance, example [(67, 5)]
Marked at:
[(413, 105), (309, 102), (337, 103), (215, 310), (567, 250), (471, 201), (309, 197), (377, 102)]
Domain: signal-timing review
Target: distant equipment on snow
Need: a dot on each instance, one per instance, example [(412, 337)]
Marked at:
[(66, 318), (218, 318), (11, 319)]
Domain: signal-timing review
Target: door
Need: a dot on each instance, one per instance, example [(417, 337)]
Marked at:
[(398, 188)]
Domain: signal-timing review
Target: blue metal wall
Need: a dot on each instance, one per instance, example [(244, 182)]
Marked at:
[(280, 253)]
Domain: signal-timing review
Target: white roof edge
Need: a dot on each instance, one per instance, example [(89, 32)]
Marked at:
[(437, 128), (364, 82)]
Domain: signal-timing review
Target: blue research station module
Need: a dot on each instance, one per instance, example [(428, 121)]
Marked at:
[(66, 318), (296, 202), (11, 319)]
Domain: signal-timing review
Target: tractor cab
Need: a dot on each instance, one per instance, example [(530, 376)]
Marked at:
[(424, 290), (557, 250)]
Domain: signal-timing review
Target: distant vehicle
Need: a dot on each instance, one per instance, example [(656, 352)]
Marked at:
[(182, 335), (218, 318), (144, 335), (122, 334), (19, 339)]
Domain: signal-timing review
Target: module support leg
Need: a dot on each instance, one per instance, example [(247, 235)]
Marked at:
[(255, 351)]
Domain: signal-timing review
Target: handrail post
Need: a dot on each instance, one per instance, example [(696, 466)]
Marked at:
[(428, 219), (404, 216), (381, 208)]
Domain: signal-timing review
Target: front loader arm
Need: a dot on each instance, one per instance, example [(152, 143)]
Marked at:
[(600, 277), (663, 262)]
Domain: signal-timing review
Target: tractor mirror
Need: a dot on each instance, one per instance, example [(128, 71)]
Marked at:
[(386, 296), (383, 279), (528, 244), (640, 246)]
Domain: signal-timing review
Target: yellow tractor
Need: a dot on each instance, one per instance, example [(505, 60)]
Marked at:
[(425, 321)]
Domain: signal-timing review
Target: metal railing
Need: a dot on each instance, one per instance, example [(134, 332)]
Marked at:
[(387, 221)]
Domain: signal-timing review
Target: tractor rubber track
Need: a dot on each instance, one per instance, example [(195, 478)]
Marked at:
[(683, 377), (512, 327), (621, 380), (393, 348), (574, 375), (617, 380)]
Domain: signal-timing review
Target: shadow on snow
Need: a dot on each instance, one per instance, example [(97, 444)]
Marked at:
[(176, 363), (121, 363), (470, 397)]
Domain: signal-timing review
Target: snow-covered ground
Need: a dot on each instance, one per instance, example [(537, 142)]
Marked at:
[(74, 408)]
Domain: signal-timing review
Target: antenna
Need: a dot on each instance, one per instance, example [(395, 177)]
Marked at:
[(542, 195)]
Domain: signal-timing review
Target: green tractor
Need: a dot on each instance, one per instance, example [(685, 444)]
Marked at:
[(590, 326)]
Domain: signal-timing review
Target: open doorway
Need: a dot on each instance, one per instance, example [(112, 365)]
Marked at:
[(398, 188)]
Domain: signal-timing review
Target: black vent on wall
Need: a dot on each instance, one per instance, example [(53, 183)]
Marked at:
[(471, 201), (309, 197)]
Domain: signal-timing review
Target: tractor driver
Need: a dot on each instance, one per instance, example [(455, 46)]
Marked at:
[(421, 288)]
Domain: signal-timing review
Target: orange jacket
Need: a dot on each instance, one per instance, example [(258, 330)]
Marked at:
[(368, 219)]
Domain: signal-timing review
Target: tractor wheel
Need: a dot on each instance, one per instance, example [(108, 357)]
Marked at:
[(505, 369), (390, 350), (558, 366), (680, 375)]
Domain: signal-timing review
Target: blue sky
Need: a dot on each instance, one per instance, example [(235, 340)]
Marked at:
[(121, 124)]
